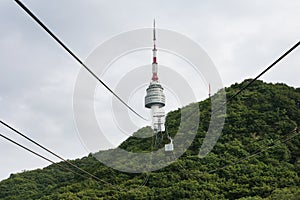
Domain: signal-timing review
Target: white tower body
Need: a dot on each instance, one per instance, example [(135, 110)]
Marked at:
[(155, 98)]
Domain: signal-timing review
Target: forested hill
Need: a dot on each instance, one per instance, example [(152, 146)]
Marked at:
[(256, 157)]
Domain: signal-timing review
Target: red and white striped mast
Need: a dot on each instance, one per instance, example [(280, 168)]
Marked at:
[(154, 63)]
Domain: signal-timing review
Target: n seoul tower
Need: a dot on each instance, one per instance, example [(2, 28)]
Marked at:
[(155, 98)]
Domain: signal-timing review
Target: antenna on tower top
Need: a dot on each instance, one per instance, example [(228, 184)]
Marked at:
[(154, 36), (154, 63)]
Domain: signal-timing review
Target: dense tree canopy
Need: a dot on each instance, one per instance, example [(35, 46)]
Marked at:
[(257, 157)]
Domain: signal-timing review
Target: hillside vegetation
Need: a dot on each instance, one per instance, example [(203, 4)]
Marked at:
[(256, 157)]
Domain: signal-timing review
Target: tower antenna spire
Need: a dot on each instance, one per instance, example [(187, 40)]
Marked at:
[(154, 35), (154, 63)]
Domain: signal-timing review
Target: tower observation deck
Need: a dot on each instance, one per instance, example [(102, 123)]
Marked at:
[(155, 98)]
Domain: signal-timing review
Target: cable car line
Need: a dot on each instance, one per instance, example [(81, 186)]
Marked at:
[(252, 81), (39, 155), (258, 76), (37, 20), (263, 72), (49, 151)]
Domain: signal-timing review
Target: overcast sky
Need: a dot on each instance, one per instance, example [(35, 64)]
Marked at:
[(37, 76)]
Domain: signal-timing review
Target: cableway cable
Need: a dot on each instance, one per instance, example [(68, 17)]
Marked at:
[(259, 75), (39, 155), (267, 69), (37, 20), (51, 152), (252, 81)]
